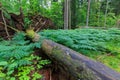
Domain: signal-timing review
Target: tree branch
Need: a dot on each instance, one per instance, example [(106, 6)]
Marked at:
[(5, 25), (10, 27)]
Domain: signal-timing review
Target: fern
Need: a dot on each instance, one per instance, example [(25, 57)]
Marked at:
[(11, 6), (13, 53), (83, 40)]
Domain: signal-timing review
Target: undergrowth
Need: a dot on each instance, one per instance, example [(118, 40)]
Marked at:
[(90, 42), (17, 54)]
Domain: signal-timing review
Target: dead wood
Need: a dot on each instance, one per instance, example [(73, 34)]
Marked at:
[(77, 65)]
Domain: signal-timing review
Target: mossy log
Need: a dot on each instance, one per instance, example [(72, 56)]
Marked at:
[(77, 65)]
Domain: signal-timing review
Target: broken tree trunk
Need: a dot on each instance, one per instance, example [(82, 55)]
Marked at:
[(77, 65)]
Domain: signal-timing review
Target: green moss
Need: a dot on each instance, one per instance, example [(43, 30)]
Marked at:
[(111, 61), (74, 68), (30, 33)]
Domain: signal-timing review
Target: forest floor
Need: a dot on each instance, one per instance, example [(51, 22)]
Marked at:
[(98, 44)]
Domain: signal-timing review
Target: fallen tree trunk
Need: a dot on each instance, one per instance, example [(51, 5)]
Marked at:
[(78, 66)]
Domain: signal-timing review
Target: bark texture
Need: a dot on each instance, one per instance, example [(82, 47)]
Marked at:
[(76, 65)]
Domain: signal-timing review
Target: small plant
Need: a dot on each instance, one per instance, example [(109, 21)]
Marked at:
[(23, 72), (36, 76), (16, 55), (32, 71)]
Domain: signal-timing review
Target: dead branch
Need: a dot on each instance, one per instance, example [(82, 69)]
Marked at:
[(5, 25), (76, 65), (38, 22), (10, 27), (41, 26)]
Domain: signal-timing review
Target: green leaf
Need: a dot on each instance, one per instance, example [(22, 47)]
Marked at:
[(2, 75), (3, 63)]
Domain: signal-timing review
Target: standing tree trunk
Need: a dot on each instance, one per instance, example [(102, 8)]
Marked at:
[(55, 0), (106, 13), (88, 13), (73, 13), (99, 14), (67, 14)]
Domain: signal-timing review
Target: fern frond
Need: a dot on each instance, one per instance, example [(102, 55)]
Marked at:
[(84, 39)]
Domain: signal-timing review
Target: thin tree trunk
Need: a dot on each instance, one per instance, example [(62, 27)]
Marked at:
[(55, 0), (73, 13), (106, 13), (66, 14), (69, 14), (99, 17), (88, 13)]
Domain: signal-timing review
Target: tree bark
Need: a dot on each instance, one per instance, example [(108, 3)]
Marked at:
[(66, 14), (73, 13), (77, 65), (69, 14), (55, 0), (88, 13), (106, 10)]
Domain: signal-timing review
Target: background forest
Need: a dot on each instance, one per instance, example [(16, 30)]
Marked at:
[(102, 13), (23, 21)]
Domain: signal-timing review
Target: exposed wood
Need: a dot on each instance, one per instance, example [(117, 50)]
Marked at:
[(10, 27), (77, 65), (56, 72), (40, 22), (6, 30)]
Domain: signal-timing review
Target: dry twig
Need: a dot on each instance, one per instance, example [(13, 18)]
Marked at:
[(5, 26), (10, 27), (41, 26)]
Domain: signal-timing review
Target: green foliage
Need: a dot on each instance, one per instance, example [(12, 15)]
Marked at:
[(91, 42), (97, 13), (83, 39), (53, 10), (36, 76), (11, 6), (56, 14), (111, 61), (27, 22), (81, 17), (16, 54), (24, 72), (111, 20), (13, 54)]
